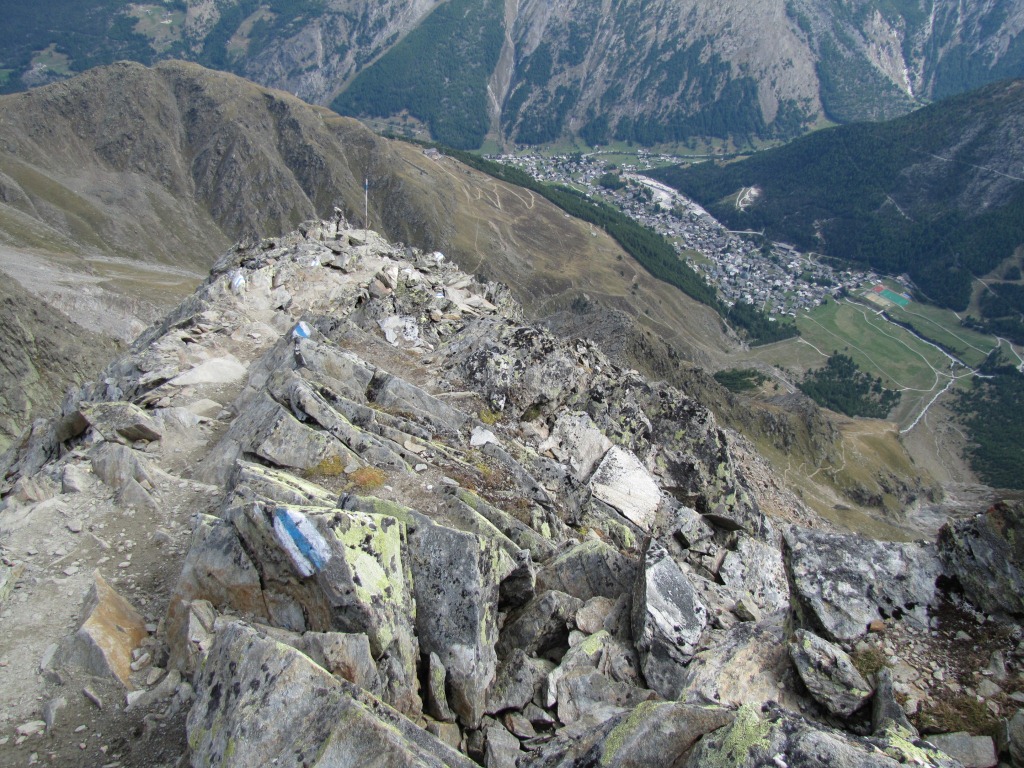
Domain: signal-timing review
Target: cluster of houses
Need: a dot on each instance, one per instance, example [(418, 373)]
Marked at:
[(743, 266)]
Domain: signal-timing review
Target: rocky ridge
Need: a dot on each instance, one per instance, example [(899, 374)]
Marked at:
[(342, 502)]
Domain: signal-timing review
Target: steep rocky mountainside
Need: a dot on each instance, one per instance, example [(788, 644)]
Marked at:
[(644, 70), (342, 506), (40, 356), (121, 186)]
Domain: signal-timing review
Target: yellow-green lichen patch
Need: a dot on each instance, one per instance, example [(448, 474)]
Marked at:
[(595, 643), (747, 732), (624, 731), (900, 747)]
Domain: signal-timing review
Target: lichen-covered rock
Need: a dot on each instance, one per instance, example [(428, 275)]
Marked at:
[(843, 582), (259, 702), (886, 712), (587, 692), (668, 619), (457, 577), (652, 733), (756, 569), (519, 679), (748, 664), (757, 739), (658, 733), (829, 674), (986, 554), (344, 571), (587, 570)]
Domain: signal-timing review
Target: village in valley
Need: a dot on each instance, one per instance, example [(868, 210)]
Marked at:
[(742, 266)]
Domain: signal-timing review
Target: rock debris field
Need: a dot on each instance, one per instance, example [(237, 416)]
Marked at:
[(343, 507)]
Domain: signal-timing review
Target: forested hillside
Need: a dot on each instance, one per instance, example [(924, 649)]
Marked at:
[(937, 194), (641, 71), (438, 73)]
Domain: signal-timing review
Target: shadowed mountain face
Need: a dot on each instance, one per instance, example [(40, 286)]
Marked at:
[(526, 71)]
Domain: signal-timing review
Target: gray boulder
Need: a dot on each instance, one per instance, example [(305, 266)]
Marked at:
[(587, 692), (518, 681), (756, 568), (121, 421), (668, 619), (345, 655), (652, 733), (456, 577), (843, 582), (539, 626), (339, 571), (117, 465), (589, 569), (748, 664), (972, 751), (829, 674), (254, 707), (986, 554)]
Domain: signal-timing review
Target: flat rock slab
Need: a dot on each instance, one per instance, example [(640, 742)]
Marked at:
[(622, 482), (217, 370)]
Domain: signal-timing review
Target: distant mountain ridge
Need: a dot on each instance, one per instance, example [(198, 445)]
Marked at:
[(937, 194), (647, 71)]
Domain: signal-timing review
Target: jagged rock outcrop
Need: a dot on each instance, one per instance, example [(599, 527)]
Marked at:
[(986, 555), (390, 534), (842, 583)]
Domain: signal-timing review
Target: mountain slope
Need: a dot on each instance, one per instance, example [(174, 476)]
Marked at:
[(130, 180), (937, 194), (231, 158), (530, 71)]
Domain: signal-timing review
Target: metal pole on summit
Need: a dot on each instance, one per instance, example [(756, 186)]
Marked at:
[(366, 203)]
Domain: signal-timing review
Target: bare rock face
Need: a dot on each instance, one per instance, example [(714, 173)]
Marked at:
[(843, 582), (986, 554), (668, 619), (829, 674)]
